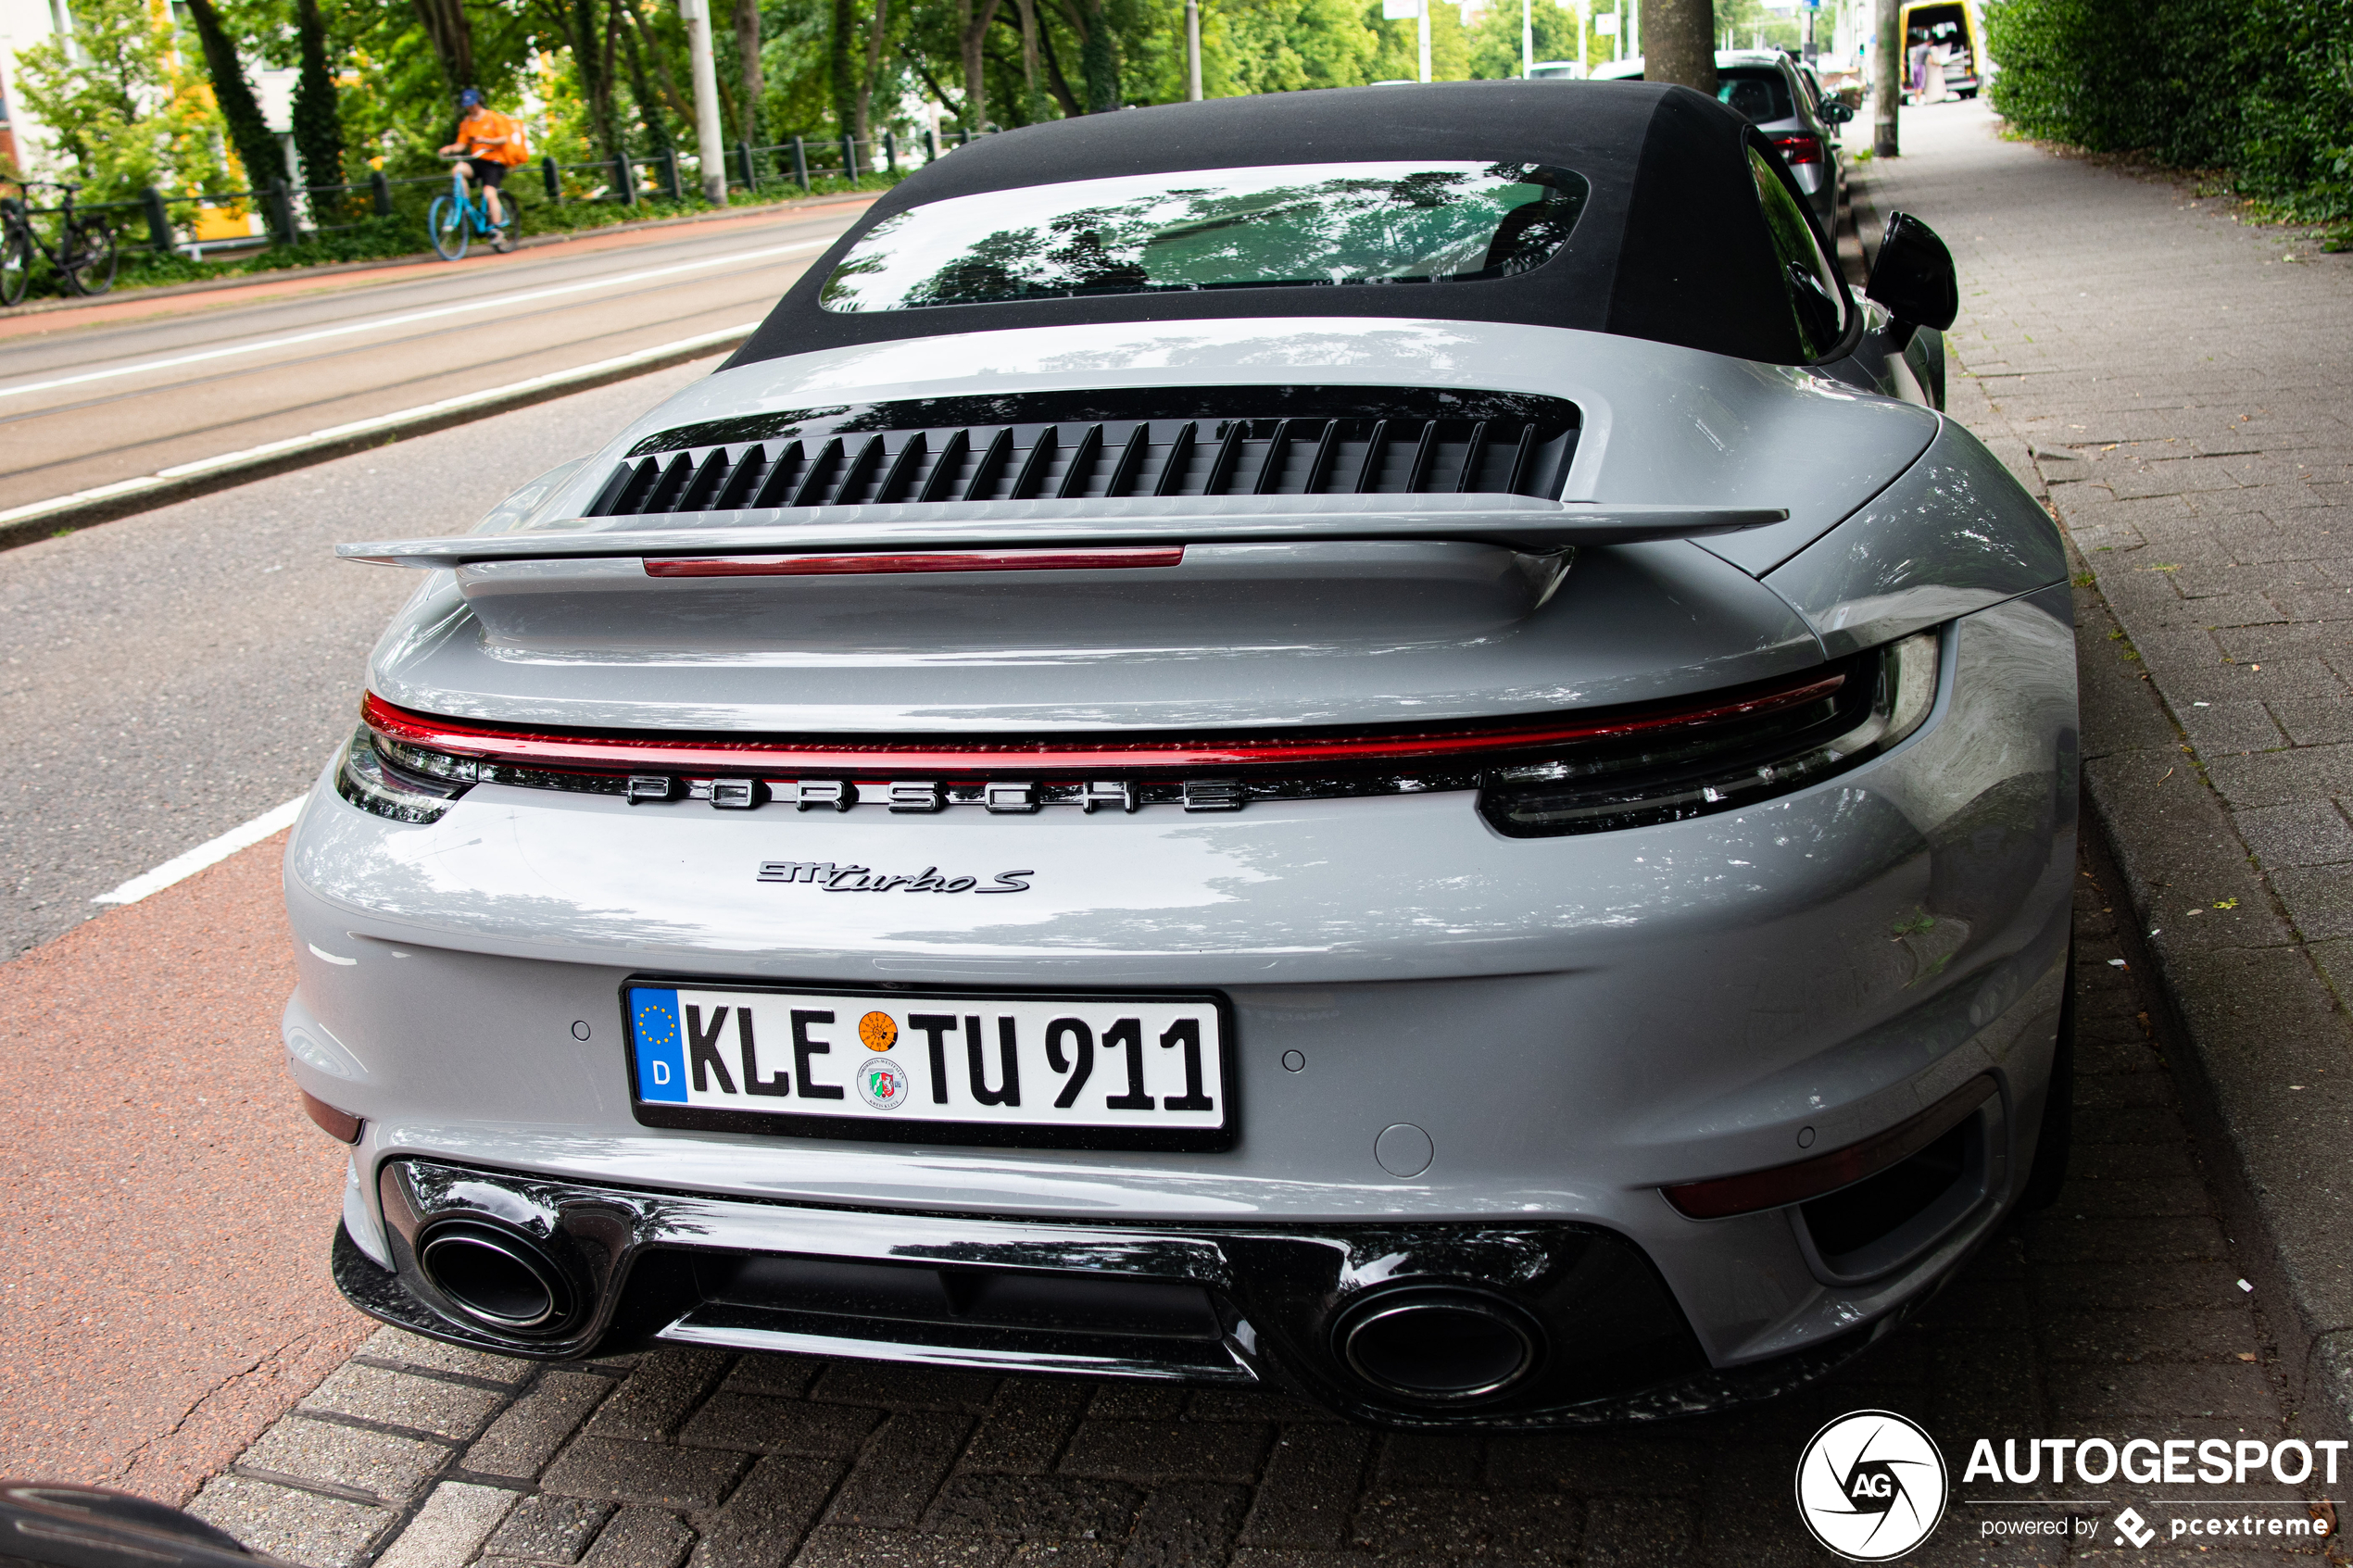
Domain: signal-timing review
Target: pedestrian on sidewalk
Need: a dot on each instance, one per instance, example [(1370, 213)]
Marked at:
[(490, 145)]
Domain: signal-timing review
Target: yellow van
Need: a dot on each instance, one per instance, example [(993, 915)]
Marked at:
[(1953, 24)]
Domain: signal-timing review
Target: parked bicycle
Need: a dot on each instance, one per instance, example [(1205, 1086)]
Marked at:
[(83, 255), (461, 217)]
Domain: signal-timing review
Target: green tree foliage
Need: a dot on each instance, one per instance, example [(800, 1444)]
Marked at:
[(394, 100), (797, 38), (2264, 89), (127, 108), (1494, 37), (1399, 56)]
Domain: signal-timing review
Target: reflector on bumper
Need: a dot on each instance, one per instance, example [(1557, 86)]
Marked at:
[(1785, 1184)]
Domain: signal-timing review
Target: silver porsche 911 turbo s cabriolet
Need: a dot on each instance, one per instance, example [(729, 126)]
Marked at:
[(1374, 741)]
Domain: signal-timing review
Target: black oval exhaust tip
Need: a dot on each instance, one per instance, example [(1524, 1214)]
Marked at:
[(494, 1276), (1439, 1345)]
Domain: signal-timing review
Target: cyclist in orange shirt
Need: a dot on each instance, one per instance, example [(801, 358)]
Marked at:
[(492, 145)]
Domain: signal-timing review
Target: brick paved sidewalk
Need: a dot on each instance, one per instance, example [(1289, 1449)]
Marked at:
[(2118, 1313), (2177, 383)]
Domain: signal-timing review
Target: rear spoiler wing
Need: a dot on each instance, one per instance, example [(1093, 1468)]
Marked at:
[(1516, 522)]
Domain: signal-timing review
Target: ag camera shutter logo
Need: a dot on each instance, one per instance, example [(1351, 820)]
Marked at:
[(1871, 1485)]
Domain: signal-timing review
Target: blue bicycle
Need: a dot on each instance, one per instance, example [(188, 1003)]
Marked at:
[(464, 216)]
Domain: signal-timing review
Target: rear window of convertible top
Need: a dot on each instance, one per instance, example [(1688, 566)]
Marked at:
[(1293, 224)]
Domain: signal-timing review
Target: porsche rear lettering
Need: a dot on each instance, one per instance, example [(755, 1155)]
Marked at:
[(1003, 796)]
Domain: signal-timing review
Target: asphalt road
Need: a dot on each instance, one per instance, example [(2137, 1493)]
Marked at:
[(168, 677), (92, 396)]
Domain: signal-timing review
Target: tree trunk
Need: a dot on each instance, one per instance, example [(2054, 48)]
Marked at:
[(1034, 109), (641, 87), (1099, 61), (1063, 94), (873, 66), (318, 124), (755, 81), (248, 132), (841, 66), (650, 43), (972, 23), (453, 40), (593, 42), (1679, 42)]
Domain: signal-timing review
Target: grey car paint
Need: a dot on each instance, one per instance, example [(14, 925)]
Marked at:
[(1899, 564), (1574, 1020)]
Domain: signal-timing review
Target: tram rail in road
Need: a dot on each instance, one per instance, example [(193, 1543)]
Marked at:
[(88, 409)]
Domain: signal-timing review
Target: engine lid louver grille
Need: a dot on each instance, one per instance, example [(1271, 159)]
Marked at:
[(1310, 442)]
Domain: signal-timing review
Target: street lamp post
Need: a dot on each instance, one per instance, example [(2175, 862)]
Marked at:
[(1193, 51), (1421, 35), (1527, 40), (709, 144)]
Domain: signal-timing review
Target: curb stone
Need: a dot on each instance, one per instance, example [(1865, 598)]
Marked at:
[(2243, 1022)]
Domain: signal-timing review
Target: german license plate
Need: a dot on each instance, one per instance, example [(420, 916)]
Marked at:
[(1054, 1070)]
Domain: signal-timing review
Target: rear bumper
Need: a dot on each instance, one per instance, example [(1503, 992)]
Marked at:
[(1573, 1023), (1238, 1306)]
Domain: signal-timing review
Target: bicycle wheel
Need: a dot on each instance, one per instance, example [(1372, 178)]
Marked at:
[(16, 264), (90, 258), (446, 223)]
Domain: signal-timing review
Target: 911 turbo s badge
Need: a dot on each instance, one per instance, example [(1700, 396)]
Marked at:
[(836, 878)]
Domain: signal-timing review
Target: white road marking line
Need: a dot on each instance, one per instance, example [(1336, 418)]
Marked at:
[(362, 427), (487, 302), (211, 852)]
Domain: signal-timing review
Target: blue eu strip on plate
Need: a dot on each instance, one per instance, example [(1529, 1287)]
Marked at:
[(662, 1047)]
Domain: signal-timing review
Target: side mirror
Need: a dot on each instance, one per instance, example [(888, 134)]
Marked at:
[(1835, 113), (1914, 277)]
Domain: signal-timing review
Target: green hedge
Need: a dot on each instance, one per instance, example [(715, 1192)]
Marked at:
[(2263, 88)]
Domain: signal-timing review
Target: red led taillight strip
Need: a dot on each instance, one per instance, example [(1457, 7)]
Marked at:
[(884, 756), (935, 561)]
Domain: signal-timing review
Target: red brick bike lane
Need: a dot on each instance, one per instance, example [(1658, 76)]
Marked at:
[(164, 1294)]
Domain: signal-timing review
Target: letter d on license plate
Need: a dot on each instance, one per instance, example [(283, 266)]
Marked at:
[(1140, 1071)]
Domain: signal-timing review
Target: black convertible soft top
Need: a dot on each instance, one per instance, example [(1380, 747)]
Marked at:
[(1672, 245)]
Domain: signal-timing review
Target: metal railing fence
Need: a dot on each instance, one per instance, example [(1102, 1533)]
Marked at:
[(304, 212)]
